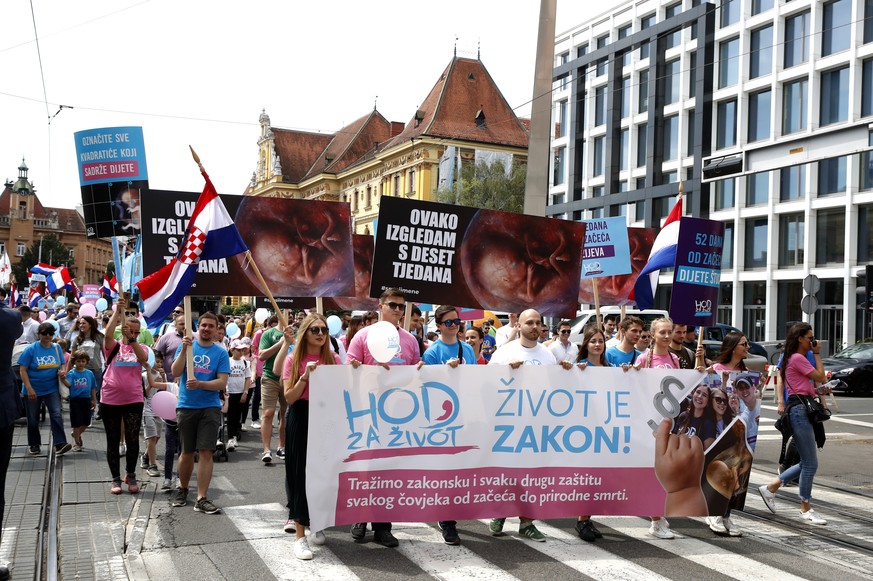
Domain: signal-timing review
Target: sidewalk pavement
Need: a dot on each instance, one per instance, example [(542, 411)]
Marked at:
[(100, 535)]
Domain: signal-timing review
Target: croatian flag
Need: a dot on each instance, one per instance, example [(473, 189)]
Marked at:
[(14, 297), (110, 287), (211, 234), (663, 255), (34, 297), (56, 277)]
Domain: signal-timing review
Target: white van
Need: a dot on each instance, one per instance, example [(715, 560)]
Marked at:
[(583, 318)]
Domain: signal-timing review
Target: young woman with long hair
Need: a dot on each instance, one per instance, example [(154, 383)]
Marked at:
[(311, 350)]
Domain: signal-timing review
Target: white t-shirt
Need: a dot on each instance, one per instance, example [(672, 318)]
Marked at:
[(515, 351), (240, 370), (562, 353)]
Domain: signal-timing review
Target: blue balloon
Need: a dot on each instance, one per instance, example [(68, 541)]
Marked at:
[(101, 305), (60, 301), (232, 330), (56, 326), (151, 357)]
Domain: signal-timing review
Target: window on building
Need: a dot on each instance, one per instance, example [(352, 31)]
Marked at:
[(830, 237), (369, 198), (624, 143), (582, 50), (865, 235), (794, 106), (759, 6), (625, 97), (724, 193), (397, 183), (689, 126), (836, 29), (832, 176), (692, 74), (868, 21), (640, 210), (411, 177), (796, 40), (790, 240), (672, 72), (595, 214), (624, 32), (646, 22), (867, 87), (730, 12), (728, 62), (674, 38), (756, 243), (557, 199), (834, 96), (564, 59), (354, 200), (561, 118), (792, 183), (759, 115), (558, 170), (669, 177), (642, 138), (761, 52), (727, 252), (866, 169), (598, 157), (599, 106), (757, 189), (597, 192), (602, 63), (19, 250), (643, 104), (671, 138), (726, 124), (22, 210)]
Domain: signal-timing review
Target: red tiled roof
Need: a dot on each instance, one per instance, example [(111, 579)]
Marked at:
[(351, 143), (68, 219), (463, 90), (298, 151)]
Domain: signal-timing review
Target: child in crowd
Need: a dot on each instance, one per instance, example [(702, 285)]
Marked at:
[(151, 424), (83, 397), (238, 383), (171, 429)]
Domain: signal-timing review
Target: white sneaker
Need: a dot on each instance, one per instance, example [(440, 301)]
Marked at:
[(660, 529), (256, 425), (732, 529), (167, 485), (231, 444), (717, 525), (319, 538), (243, 428), (266, 457), (219, 445), (769, 498), (302, 550), (812, 518)]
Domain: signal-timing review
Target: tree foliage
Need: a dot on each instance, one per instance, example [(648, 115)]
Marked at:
[(54, 252), (487, 186)]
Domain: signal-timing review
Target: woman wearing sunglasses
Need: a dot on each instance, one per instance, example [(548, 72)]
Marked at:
[(42, 370), (312, 349)]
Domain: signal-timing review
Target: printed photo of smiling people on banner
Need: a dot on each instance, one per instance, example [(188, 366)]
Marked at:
[(113, 176), (484, 259), (409, 445), (303, 247)]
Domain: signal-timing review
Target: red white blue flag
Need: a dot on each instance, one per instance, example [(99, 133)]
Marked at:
[(56, 277), (110, 287), (211, 234), (663, 255)]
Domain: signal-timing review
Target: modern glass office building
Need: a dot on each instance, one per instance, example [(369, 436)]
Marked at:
[(764, 110)]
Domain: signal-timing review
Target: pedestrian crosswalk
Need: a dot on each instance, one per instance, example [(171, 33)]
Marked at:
[(772, 547)]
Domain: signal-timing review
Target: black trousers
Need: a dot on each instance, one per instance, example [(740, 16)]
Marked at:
[(5, 454)]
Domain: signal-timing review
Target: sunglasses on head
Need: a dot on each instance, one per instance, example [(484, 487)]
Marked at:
[(451, 322), (395, 306), (318, 330)]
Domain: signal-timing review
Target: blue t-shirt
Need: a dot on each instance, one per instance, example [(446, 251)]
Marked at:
[(616, 357), (439, 352), (42, 366), (208, 363), (81, 383), (489, 344)]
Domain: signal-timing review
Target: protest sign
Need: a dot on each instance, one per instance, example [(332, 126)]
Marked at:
[(303, 247), (698, 272), (607, 251), (113, 175), (362, 245), (614, 290), (478, 441), (90, 294), (484, 259)]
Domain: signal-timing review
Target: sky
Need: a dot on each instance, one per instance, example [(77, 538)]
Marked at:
[(199, 73)]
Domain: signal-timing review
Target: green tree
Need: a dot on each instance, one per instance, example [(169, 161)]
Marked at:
[(53, 252), (487, 186)]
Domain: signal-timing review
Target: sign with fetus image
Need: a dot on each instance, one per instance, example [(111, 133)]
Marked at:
[(482, 259), (303, 248), (723, 412)]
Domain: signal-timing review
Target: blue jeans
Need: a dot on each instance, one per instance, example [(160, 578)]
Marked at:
[(804, 441), (53, 405)]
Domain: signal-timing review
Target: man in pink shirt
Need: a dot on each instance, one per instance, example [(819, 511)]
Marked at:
[(391, 308)]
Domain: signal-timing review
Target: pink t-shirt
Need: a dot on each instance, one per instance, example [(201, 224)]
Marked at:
[(723, 367), (665, 361), (796, 376), (286, 369), (256, 341), (122, 381), (409, 353)]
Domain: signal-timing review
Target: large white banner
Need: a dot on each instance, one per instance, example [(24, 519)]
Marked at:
[(403, 444)]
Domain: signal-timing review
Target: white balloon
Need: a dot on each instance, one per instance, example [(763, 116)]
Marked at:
[(383, 341), (261, 315), (334, 324)]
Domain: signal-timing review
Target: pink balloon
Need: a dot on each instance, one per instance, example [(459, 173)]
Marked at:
[(163, 404), (41, 316), (87, 310)]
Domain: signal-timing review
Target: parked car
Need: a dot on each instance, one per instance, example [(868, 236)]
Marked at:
[(853, 368), (578, 324), (753, 362), (718, 332)]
